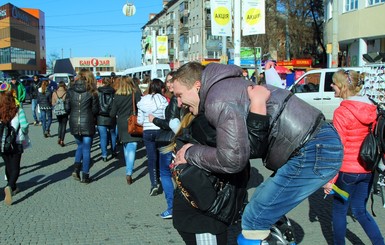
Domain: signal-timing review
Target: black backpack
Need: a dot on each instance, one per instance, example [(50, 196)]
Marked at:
[(8, 136)]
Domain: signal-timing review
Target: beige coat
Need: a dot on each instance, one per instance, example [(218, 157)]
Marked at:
[(58, 93)]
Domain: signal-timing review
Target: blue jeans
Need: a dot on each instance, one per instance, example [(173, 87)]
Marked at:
[(46, 120), (166, 177), (83, 152), (35, 114), (152, 152), (129, 150), (316, 163), (358, 186), (107, 134)]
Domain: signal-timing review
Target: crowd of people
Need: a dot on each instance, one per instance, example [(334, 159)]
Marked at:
[(213, 118)]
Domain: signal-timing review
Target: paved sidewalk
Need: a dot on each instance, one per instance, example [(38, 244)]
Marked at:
[(52, 208)]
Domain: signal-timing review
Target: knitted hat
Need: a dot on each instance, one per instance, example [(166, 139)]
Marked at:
[(5, 87)]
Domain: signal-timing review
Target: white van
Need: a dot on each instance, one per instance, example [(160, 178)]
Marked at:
[(59, 77), (314, 87), (159, 71)]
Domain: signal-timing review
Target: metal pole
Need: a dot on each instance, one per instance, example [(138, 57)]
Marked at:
[(237, 32), (154, 54), (335, 49)]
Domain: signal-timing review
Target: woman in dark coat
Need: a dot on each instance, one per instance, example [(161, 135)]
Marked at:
[(44, 99), (82, 105), (106, 124), (122, 108)]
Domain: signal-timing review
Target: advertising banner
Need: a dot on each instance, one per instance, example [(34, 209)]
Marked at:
[(162, 47), (220, 17), (253, 12)]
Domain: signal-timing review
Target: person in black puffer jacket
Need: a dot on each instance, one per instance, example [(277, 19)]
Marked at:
[(106, 124), (44, 99), (33, 94), (82, 105)]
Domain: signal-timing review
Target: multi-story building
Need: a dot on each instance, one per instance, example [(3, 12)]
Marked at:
[(22, 41), (187, 24), (359, 29)]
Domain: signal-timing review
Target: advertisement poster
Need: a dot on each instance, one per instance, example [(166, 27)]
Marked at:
[(221, 17), (162, 47), (253, 12)]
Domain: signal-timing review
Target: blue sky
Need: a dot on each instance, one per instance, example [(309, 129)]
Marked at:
[(94, 28)]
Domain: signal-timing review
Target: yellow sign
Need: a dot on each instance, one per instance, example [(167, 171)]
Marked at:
[(162, 50), (221, 16), (253, 16)]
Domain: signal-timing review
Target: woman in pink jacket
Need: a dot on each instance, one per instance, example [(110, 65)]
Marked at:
[(352, 119)]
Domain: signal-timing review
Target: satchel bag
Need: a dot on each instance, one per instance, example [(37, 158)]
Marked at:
[(134, 128), (370, 153), (213, 195)]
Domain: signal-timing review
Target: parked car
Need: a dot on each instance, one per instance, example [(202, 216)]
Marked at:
[(314, 87)]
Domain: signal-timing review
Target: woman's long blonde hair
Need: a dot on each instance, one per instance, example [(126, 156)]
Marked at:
[(124, 86), (186, 121), (349, 82)]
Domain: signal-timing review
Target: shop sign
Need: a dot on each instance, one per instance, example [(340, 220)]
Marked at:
[(94, 62), (3, 12)]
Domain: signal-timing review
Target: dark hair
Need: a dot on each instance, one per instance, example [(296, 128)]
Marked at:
[(62, 85), (156, 86)]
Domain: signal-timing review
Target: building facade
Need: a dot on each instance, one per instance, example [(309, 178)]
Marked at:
[(359, 29), (22, 41), (187, 24), (94, 64)]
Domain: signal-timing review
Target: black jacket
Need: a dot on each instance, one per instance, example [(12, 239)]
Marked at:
[(171, 111), (122, 109), (82, 107), (34, 89), (106, 97), (45, 100)]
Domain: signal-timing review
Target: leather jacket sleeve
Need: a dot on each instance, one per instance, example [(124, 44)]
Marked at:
[(258, 127), (172, 111)]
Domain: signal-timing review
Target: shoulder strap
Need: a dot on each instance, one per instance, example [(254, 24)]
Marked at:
[(133, 103)]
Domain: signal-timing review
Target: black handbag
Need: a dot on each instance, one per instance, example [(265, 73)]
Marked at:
[(214, 195), (164, 137), (370, 153)]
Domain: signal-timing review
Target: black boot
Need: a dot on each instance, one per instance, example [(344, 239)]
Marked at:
[(85, 178), (76, 172)]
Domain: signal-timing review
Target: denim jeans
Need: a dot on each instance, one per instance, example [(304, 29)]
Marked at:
[(46, 120), (358, 186), (152, 153), (35, 114), (316, 163), (129, 150), (83, 152), (107, 134), (165, 177)]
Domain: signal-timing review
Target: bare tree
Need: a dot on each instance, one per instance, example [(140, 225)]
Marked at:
[(52, 59)]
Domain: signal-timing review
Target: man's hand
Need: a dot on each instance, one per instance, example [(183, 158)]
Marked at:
[(258, 97), (269, 64), (179, 158)]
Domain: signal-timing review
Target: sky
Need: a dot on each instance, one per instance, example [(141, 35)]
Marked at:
[(94, 28)]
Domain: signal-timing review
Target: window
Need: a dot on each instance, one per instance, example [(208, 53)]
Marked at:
[(351, 5), (373, 2)]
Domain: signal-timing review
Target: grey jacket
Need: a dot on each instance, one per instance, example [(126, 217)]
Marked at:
[(292, 123), (225, 103)]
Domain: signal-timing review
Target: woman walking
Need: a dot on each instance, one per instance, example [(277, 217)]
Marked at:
[(106, 124), (11, 113), (165, 137), (153, 103), (44, 99), (60, 94), (352, 120), (122, 108), (82, 105)]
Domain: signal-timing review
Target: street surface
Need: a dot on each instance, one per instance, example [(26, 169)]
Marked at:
[(53, 208)]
